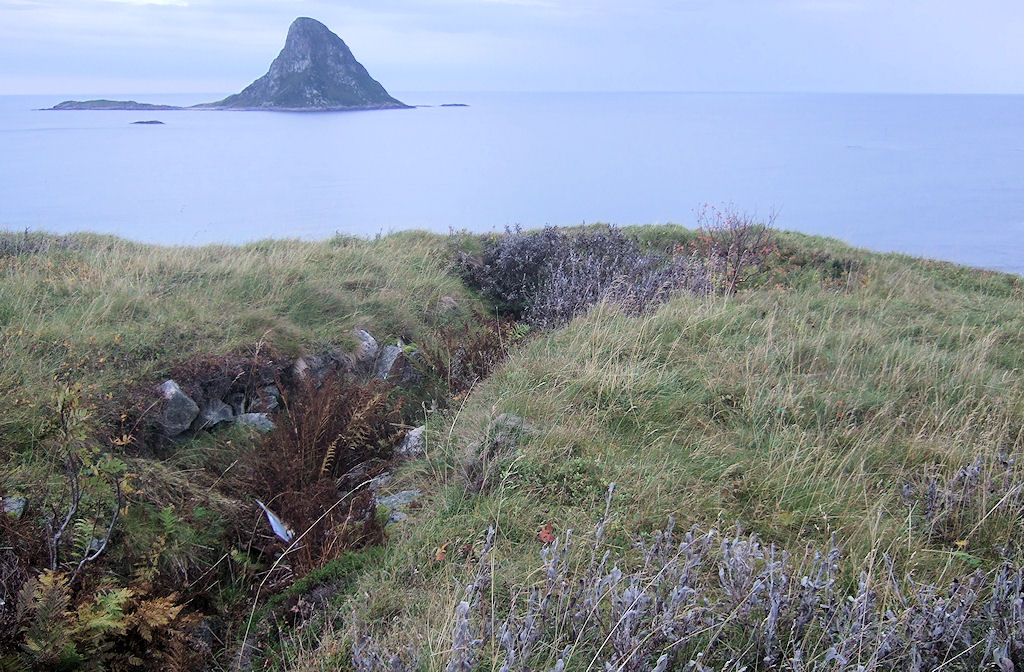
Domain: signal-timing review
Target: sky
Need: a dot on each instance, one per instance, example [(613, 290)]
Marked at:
[(220, 46)]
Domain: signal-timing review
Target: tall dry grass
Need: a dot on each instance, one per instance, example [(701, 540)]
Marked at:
[(872, 399)]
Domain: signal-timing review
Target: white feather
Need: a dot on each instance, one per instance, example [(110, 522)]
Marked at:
[(280, 529)]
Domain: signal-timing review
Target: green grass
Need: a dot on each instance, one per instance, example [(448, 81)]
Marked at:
[(113, 318), (797, 408), (110, 314)]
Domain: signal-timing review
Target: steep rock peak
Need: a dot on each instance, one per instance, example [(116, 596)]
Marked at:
[(314, 71)]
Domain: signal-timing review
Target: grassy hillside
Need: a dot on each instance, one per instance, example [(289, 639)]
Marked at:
[(88, 327), (841, 434), (869, 402)]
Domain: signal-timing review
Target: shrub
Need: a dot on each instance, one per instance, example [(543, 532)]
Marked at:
[(114, 628), (27, 243), (703, 601), (511, 267), (549, 277), (737, 245), (982, 499)]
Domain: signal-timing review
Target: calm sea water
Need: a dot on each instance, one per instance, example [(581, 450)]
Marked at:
[(937, 176)]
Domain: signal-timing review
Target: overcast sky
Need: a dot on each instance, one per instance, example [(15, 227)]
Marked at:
[(220, 46)]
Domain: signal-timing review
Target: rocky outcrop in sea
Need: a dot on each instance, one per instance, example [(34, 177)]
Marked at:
[(315, 71)]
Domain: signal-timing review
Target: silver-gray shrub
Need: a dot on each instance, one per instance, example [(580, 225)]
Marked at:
[(548, 277), (987, 491), (710, 601)]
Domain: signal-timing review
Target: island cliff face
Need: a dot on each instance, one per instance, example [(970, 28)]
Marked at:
[(314, 71)]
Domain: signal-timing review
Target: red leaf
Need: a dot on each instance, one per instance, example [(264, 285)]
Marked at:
[(547, 534)]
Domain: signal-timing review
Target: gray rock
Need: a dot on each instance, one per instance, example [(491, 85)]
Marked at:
[(389, 357), (314, 71), (267, 399), (447, 304), (414, 444), (366, 349), (204, 636), (316, 367), (258, 421), (414, 364), (179, 410), (14, 506), (306, 367), (482, 460), (507, 421), (404, 498), (378, 482), (213, 413), (236, 400), (396, 503)]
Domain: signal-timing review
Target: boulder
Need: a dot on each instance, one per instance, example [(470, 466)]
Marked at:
[(397, 367), (267, 399), (482, 460), (213, 413), (179, 410), (316, 367), (447, 304), (259, 421), (396, 503), (414, 444), (389, 357), (366, 350), (14, 506), (404, 498), (236, 400), (378, 482)]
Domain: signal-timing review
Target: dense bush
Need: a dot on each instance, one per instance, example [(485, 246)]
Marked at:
[(548, 277)]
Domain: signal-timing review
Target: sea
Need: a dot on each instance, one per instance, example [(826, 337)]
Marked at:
[(939, 176)]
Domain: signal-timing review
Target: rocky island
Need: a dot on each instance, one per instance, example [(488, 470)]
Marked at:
[(315, 71), (111, 105)]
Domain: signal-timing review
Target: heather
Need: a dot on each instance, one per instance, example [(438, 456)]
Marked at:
[(709, 600)]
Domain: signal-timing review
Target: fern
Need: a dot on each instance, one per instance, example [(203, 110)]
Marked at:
[(169, 521), (45, 602), (82, 533), (100, 623), (153, 615), (103, 617), (328, 461)]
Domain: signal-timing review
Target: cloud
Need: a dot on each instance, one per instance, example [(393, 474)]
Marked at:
[(850, 45)]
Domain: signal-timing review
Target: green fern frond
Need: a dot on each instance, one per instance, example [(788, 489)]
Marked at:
[(103, 617)]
